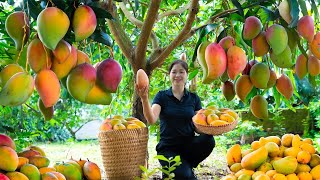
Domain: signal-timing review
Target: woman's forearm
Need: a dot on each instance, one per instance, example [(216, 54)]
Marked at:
[(147, 111)]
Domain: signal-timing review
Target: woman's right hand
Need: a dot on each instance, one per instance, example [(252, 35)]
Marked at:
[(143, 92)]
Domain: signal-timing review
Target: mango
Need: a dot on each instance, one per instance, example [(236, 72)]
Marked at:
[(59, 175), (216, 60), (9, 159), (81, 80), (264, 167), (82, 57), (314, 46), (227, 42), (243, 87), (244, 177), (301, 68), (202, 61), (16, 176), (259, 107), (260, 75), (68, 170), (7, 141), (286, 165), (262, 177), (62, 51), (29, 153), (248, 67), (39, 161), (252, 27), (17, 90), (307, 147), (22, 161), (303, 157), (17, 27), (273, 149), (31, 171), (315, 160), (46, 169), (277, 38), (47, 112), (98, 96), (292, 177), (91, 171), (313, 66), (272, 79), (228, 90), (48, 176), (235, 167), (50, 33), (284, 86), (260, 45), (274, 139), (39, 56), (315, 172), (284, 11), (3, 177), (84, 22), (305, 28), (244, 172), (304, 176), (229, 177), (63, 69), (37, 148), (292, 151), (8, 71), (109, 75), (237, 60), (286, 140), (302, 168), (234, 155), (283, 59), (254, 159), (142, 79)]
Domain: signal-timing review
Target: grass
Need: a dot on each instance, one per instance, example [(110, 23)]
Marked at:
[(211, 168)]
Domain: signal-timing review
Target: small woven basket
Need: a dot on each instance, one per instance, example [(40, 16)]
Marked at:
[(123, 151), (215, 130)]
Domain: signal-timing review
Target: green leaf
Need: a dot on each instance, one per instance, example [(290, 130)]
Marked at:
[(102, 37), (303, 7), (266, 14), (193, 74), (161, 157), (34, 9), (277, 97), (100, 13), (177, 159), (294, 12), (239, 7), (144, 169), (314, 8)]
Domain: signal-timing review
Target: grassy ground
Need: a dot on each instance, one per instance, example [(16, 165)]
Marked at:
[(211, 168)]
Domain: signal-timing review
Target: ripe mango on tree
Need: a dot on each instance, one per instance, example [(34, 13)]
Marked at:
[(216, 60)]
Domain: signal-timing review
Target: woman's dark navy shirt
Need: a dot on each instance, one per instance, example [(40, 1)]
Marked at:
[(176, 115)]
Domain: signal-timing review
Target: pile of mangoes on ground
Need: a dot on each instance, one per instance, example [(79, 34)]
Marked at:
[(273, 158), (32, 163)]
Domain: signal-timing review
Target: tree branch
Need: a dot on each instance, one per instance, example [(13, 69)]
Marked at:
[(140, 52), (174, 12), (119, 34), (193, 10)]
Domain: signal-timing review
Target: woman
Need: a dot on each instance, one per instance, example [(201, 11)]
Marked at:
[(176, 106)]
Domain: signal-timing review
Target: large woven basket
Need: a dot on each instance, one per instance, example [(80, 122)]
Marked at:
[(123, 151), (215, 130)]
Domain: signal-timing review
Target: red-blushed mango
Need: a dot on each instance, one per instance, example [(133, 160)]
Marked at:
[(9, 159), (68, 170), (98, 96), (234, 155), (17, 176), (62, 51), (227, 42), (284, 86), (284, 59), (305, 28), (142, 79), (243, 87), (91, 171), (7, 141), (82, 57), (237, 60), (272, 79), (228, 90), (315, 45), (29, 153), (46, 169), (254, 159), (31, 171), (74, 162), (277, 38), (17, 90), (48, 87), (80, 81), (248, 67), (3, 177), (216, 60), (313, 66), (39, 161), (48, 176), (202, 61), (17, 27), (301, 67), (252, 27), (259, 107), (51, 33), (284, 11), (260, 45), (39, 56), (8, 71), (81, 162), (22, 161), (47, 112), (84, 22), (59, 175), (63, 69), (109, 75), (260, 75)]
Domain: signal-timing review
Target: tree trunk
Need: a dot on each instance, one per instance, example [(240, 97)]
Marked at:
[(137, 109)]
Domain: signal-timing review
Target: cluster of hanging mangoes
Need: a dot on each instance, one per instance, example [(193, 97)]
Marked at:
[(226, 60), (54, 60)]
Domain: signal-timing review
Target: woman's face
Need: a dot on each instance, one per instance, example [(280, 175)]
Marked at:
[(178, 75)]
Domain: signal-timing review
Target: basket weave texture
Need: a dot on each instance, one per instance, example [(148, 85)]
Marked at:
[(215, 130), (123, 151)]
